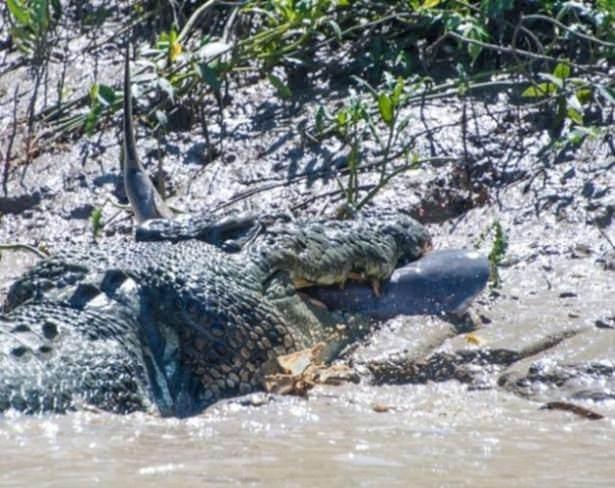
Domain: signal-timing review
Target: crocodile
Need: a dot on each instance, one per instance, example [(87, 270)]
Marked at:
[(195, 309)]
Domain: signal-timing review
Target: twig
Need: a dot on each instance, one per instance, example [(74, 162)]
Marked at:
[(31, 108), (7, 165), (586, 413), (193, 18), (16, 246), (254, 191), (568, 29), (605, 235), (508, 50), (337, 191)]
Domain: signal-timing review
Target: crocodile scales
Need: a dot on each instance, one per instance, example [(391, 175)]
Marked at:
[(173, 327), (199, 308)]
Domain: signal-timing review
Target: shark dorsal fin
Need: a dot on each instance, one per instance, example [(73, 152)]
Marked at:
[(144, 199)]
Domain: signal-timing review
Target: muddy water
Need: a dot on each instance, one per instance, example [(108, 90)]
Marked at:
[(433, 435)]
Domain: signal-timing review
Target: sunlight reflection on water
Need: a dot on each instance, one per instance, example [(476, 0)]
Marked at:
[(437, 434)]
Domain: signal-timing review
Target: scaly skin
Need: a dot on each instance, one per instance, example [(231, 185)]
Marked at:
[(173, 327), (176, 324)]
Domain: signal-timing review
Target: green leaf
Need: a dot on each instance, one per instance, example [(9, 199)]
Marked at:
[(574, 115), (540, 90), (93, 93), (577, 135), (336, 29), (92, 119), (41, 15), (385, 106), (431, 3), (562, 71), (282, 88), (96, 221), (558, 82), (57, 9), (18, 11), (164, 41), (364, 83), (172, 36), (413, 159), (584, 95), (591, 132), (208, 75), (573, 103), (342, 118), (474, 51), (106, 95), (471, 29), (398, 91), (462, 88)]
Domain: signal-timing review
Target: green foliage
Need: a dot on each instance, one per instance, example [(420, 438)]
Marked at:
[(96, 222), (282, 88), (31, 21), (570, 95), (495, 8), (389, 44), (498, 250), (168, 42), (210, 75), (102, 97), (361, 119), (499, 247)]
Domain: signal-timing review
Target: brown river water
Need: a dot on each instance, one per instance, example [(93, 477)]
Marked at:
[(433, 435)]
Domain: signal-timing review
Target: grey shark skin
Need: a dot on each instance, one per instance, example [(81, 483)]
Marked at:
[(144, 199), (440, 282)]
